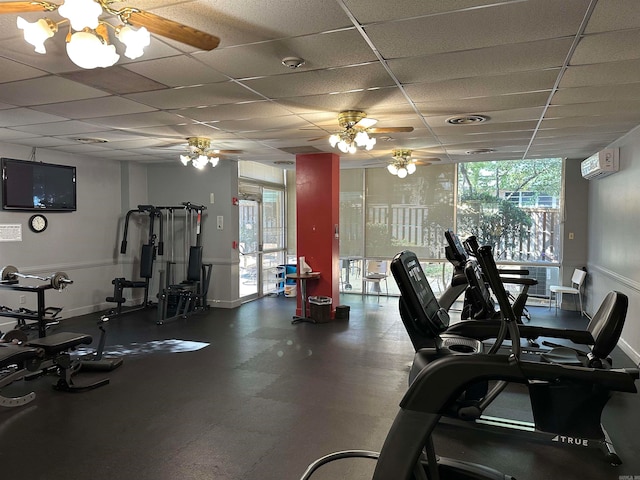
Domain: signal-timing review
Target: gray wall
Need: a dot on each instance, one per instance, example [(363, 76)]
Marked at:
[(80, 243), (172, 184), (614, 236)]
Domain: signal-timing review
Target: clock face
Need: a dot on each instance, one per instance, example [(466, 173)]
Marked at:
[(38, 223)]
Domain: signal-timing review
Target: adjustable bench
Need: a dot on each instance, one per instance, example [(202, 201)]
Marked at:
[(11, 354), (36, 357), (56, 353)]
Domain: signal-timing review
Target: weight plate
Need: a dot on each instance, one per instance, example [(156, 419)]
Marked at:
[(58, 281), (8, 273)]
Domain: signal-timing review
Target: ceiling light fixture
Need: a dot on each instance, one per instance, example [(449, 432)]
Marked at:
[(354, 134), (88, 42), (402, 164), (200, 153)]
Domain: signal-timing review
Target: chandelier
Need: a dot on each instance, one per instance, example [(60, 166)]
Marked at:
[(354, 134), (88, 37), (200, 153), (402, 164)]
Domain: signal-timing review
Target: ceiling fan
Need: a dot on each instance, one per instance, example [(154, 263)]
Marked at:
[(87, 32), (200, 153), (356, 128)]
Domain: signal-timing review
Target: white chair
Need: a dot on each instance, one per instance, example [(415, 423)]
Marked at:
[(575, 289), (376, 272)]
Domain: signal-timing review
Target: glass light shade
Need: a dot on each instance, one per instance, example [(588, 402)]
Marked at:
[(370, 143), (185, 159), (343, 146), (393, 170), (37, 32), (334, 139), (81, 13), (134, 40), (200, 162), (411, 168), (361, 138), (87, 51), (214, 161), (402, 172), (352, 148)]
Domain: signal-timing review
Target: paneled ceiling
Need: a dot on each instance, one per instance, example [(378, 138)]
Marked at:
[(554, 78)]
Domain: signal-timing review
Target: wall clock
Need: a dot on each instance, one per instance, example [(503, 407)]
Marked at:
[(38, 223)]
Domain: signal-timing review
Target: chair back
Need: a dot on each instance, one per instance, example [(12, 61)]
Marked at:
[(377, 267), (578, 277), (606, 325)]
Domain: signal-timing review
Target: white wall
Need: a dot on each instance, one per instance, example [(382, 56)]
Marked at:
[(80, 243), (614, 238)]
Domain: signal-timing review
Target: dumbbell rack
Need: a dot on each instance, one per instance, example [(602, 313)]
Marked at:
[(40, 314)]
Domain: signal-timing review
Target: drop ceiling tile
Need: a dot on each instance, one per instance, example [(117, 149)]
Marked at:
[(139, 120), (567, 96), (614, 15), (607, 47), (69, 127), (177, 71), (499, 116), (592, 108), (322, 81), (484, 128), (201, 95), (26, 116), (105, 106), (45, 90), (11, 71), (236, 111), (360, 100), (614, 73), (250, 125), (501, 59), (522, 82), (9, 134), (369, 11), (318, 52), (483, 104), (501, 25)]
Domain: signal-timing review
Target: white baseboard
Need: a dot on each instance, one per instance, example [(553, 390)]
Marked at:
[(631, 353)]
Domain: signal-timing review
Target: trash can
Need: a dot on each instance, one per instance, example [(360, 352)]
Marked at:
[(320, 309), (342, 312)]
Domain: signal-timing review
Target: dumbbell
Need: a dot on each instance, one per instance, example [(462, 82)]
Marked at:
[(58, 280)]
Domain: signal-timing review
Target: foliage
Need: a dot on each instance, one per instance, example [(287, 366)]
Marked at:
[(494, 221), (541, 176)]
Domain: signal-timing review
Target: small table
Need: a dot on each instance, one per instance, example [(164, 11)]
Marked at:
[(302, 278)]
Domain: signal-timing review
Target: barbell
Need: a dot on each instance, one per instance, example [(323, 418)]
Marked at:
[(58, 280)]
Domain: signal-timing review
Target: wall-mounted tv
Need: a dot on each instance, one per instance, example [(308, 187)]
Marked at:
[(37, 186)]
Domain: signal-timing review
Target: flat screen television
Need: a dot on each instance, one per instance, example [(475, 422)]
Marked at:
[(37, 186)]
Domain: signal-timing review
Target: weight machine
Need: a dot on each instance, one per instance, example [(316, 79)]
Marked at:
[(175, 300), (148, 254), (179, 300)]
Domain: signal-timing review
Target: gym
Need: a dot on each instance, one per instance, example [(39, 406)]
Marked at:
[(157, 200)]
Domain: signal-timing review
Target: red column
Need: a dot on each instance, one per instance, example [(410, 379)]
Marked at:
[(317, 221)]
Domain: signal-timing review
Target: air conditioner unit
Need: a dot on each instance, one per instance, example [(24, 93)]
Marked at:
[(601, 164)]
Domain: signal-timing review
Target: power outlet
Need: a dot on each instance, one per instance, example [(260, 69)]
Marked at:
[(23, 299)]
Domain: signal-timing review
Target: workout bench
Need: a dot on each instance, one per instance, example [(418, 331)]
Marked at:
[(37, 357)]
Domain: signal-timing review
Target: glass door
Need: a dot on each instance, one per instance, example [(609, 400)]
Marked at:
[(262, 244), (250, 249)]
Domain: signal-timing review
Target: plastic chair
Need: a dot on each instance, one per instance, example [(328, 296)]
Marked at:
[(376, 272), (575, 289)]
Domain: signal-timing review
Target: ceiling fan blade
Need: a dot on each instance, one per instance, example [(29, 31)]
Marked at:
[(231, 152), (170, 29), (19, 7), (390, 129), (366, 123)]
